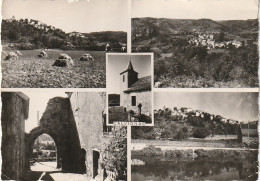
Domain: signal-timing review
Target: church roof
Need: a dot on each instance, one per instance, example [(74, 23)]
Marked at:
[(129, 68), (143, 84)]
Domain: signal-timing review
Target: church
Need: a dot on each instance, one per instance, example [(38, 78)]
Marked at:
[(135, 92)]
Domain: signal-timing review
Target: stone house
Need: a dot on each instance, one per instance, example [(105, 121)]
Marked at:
[(135, 92), (247, 133), (89, 110)]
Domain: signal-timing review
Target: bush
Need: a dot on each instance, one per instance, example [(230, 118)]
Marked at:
[(150, 136), (179, 153), (148, 151), (115, 157), (182, 134), (201, 133), (144, 118)]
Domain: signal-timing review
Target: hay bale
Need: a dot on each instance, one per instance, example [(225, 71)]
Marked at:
[(18, 53), (63, 60), (11, 56), (4, 52), (42, 54), (86, 57)]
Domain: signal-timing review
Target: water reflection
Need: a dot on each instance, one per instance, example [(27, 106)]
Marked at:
[(163, 169)]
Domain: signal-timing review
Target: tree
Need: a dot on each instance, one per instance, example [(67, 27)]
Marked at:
[(201, 133), (115, 154), (13, 35), (166, 133), (182, 134)]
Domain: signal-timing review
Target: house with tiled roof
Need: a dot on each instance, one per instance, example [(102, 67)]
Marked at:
[(247, 132), (135, 92)]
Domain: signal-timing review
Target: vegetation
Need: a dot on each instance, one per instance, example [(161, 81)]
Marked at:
[(201, 133), (27, 34), (143, 118), (181, 127), (152, 151), (144, 132), (199, 53), (148, 151), (115, 158), (195, 67), (42, 146), (114, 99)]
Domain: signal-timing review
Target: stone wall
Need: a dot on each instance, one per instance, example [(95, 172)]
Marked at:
[(88, 110), (145, 98), (58, 122), (15, 108)]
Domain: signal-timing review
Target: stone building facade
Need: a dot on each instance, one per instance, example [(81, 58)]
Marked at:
[(89, 111), (135, 92), (15, 107)]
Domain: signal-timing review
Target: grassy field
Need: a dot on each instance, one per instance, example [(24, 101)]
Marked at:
[(33, 72)]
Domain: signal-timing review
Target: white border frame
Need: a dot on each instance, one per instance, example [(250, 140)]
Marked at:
[(152, 88)]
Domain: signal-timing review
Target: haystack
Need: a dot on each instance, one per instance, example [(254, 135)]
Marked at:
[(18, 53), (42, 54), (63, 60), (86, 57), (11, 56)]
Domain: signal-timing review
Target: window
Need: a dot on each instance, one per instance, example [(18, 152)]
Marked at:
[(133, 100), (123, 78)]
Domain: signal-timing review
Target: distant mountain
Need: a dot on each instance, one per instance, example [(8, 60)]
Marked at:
[(159, 27), (241, 25), (31, 34)]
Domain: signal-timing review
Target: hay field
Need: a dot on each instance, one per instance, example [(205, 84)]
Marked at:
[(29, 71)]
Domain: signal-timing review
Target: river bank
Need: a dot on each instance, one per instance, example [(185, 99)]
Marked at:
[(194, 153)]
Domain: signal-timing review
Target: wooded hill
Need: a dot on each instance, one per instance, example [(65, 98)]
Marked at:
[(33, 34), (199, 53), (163, 27), (180, 124)]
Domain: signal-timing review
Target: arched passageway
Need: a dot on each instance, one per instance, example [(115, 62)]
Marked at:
[(44, 156), (58, 122)]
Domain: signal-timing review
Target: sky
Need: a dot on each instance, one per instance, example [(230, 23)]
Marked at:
[(71, 15), (38, 102), (240, 106), (196, 9), (119, 63)]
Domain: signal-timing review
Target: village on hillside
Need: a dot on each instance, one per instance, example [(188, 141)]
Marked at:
[(196, 53), (49, 57), (198, 136), (31, 34), (188, 124)]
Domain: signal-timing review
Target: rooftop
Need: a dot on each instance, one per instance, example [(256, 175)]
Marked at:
[(129, 68), (143, 84)]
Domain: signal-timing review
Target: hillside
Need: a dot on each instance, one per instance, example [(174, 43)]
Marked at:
[(152, 27), (33, 34), (198, 53), (182, 123)]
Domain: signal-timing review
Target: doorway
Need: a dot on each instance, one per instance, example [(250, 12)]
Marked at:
[(96, 156)]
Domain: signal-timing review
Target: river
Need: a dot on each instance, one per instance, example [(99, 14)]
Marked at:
[(166, 169)]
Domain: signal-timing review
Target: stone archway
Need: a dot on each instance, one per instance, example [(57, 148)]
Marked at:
[(58, 122)]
